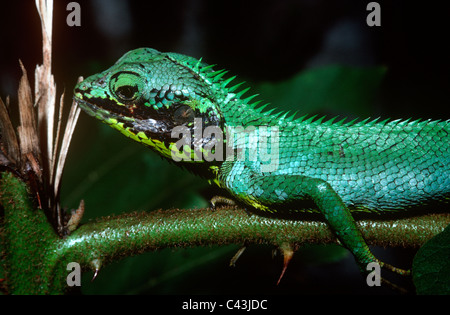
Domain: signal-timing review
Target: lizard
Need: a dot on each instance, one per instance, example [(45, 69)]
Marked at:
[(335, 168)]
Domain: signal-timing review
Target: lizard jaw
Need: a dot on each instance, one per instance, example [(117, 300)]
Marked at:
[(151, 127)]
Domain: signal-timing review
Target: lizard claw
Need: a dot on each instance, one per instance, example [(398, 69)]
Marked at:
[(396, 270)]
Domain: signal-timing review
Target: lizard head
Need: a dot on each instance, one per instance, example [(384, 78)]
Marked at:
[(147, 93)]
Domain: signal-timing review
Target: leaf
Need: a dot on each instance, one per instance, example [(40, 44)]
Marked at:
[(431, 265)]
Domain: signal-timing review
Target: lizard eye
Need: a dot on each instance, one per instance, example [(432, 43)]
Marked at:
[(126, 86), (127, 92)]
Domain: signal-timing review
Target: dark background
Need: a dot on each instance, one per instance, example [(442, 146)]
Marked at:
[(261, 41)]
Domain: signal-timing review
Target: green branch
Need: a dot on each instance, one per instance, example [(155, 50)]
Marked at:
[(36, 258)]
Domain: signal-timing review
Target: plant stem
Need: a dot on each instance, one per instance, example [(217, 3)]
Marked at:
[(27, 237), (37, 258)]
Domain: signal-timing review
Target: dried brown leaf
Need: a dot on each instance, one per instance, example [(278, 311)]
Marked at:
[(9, 137), (29, 141)]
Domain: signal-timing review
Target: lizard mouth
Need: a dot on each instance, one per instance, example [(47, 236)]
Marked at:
[(149, 126), (98, 112)]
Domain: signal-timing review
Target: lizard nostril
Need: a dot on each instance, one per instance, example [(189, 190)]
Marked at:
[(102, 81)]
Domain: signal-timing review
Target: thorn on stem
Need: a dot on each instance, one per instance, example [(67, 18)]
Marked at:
[(96, 264), (236, 256), (95, 275), (288, 252)]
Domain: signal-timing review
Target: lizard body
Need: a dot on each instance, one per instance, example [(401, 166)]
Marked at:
[(331, 167)]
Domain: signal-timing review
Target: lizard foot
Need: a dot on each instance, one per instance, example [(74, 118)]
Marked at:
[(219, 199)]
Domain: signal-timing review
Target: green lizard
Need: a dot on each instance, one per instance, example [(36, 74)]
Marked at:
[(330, 167)]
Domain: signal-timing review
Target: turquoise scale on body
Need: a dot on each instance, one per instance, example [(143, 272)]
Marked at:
[(334, 168)]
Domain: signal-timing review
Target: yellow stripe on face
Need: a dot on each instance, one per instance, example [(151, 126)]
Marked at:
[(175, 153), (161, 147), (142, 135), (186, 155), (111, 121)]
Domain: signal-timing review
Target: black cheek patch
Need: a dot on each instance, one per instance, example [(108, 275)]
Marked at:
[(183, 114)]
